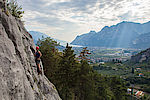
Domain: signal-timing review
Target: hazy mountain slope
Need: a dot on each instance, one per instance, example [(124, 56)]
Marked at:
[(142, 41), (120, 35), (85, 39), (18, 72), (38, 35), (143, 56)]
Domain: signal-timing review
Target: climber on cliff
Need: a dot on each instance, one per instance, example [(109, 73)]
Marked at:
[(37, 60)]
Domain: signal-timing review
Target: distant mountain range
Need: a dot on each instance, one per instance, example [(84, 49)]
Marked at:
[(122, 35), (38, 35)]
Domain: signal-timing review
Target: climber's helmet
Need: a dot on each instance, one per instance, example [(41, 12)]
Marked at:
[(37, 48)]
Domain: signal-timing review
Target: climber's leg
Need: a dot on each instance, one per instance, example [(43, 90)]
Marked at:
[(38, 66)]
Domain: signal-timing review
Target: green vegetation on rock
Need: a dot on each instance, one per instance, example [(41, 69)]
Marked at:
[(14, 9)]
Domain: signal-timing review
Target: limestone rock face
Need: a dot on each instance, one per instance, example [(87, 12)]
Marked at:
[(18, 72)]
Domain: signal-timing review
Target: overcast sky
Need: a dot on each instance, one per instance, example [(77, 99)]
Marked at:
[(65, 19)]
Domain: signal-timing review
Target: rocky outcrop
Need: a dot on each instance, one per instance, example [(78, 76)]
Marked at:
[(18, 72)]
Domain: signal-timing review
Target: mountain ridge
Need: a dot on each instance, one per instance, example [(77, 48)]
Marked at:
[(38, 35), (119, 35)]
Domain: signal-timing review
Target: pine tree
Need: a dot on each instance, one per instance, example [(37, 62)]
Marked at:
[(84, 54), (85, 82), (67, 73)]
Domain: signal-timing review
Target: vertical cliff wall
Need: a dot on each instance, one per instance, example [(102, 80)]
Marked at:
[(18, 72)]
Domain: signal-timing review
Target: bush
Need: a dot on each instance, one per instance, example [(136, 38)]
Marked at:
[(14, 9)]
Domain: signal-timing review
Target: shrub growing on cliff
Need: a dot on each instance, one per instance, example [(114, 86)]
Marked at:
[(14, 8)]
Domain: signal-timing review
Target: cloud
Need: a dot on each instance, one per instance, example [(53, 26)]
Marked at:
[(69, 18)]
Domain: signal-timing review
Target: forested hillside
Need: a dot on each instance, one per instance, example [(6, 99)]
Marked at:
[(74, 78)]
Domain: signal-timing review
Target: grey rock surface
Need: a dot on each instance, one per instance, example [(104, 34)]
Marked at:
[(19, 79)]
